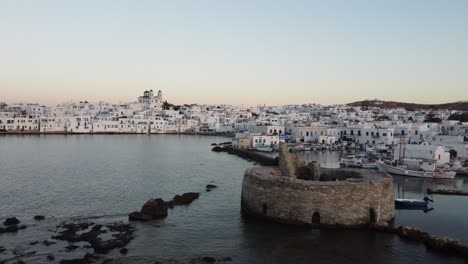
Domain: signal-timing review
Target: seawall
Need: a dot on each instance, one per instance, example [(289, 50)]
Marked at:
[(250, 155)]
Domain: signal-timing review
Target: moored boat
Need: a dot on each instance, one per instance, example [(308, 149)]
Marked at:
[(262, 148), (412, 203), (404, 171)]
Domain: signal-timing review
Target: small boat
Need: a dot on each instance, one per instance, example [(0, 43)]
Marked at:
[(404, 171), (262, 148), (369, 165), (351, 161), (412, 203)]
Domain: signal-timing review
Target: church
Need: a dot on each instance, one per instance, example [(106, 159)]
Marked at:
[(150, 101)]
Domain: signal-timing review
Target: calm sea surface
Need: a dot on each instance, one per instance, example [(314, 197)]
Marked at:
[(103, 178)]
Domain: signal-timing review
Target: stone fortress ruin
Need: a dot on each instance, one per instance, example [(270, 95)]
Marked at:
[(305, 194)]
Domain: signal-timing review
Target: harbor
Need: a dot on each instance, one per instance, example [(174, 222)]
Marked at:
[(144, 167)]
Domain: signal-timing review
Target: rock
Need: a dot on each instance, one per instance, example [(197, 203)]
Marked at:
[(88, 258), (11, 229), (92, 235), (227, 259), (124, 251), (50, 257), (209, 187), (70, 229), (22, 227), (48, 243), (208, 260), (444, 244), (71, 247), (103, 247), (156, 208), (2, 249), (39, 217), (34, 243), (11, 221), (185, 199), (412, 233), (137, 216)]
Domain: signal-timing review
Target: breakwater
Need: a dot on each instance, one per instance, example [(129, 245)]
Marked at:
[(248, 155), (447, 192)]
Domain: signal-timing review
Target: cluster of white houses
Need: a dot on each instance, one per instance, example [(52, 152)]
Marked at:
[(260, 125)]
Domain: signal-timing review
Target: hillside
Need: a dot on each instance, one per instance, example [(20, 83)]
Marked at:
[(460, 106)]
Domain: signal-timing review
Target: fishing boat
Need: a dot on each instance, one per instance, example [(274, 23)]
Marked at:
[(364, 161), (263, 148), (426, 170), (351, 161)]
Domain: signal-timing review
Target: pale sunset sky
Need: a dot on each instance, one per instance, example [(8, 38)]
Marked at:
[(234, 51)]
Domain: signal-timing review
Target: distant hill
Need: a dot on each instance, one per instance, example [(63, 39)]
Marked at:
[(460, 106)]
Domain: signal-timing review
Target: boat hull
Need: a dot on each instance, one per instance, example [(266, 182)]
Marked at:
[(400, 171), (407, 203)]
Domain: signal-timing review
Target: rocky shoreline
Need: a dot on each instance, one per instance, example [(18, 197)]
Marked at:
[(96, 239)]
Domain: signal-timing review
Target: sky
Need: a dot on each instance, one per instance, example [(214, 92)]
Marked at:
[(243, 52)]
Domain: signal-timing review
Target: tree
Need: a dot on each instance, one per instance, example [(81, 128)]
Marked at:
[(453, 153), (430, 118), (462, 117)]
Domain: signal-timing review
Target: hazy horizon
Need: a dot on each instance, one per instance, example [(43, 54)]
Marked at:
[(234, 52)]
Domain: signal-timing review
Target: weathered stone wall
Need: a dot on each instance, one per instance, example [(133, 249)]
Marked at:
[(288, 162), (353, 202)]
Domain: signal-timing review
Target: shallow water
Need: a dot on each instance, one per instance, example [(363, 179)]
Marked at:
[(103, 178)]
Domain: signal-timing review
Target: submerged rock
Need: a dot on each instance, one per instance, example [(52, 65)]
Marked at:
[(412, 233), (71, 247), (11, 221), (208, 260), (48, 243), (123, 235), (88, 258), (138, 216), (12, 229), (50, 257), (185, 199), (39, 217), (124, 251)]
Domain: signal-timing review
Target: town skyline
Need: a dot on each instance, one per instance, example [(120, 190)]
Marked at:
[(133, 100)]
